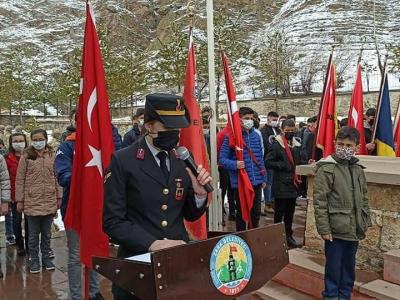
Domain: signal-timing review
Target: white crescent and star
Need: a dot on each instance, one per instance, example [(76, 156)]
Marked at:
[(91, 104), (96, 160), (96, 154)]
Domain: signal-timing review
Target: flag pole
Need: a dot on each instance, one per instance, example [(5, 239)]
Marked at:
[(321, 103), (215, 213), (378, 106)]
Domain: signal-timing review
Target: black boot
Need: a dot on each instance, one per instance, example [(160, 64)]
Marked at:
[(292, 243), (1, 273)]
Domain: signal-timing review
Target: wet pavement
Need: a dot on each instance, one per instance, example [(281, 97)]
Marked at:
[(19, 284)]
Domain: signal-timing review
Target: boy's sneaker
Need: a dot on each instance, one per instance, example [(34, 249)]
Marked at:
[(34, 266), (51, 254), (48, 264), (10, 241)]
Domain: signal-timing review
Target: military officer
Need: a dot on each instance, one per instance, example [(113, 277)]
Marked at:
[(148, 191)]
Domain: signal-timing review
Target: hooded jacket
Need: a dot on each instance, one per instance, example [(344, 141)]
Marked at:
[(340, 199), (227, 158), (63, 165), (36, 185)]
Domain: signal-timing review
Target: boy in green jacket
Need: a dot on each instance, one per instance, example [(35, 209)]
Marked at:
[(341, 212)]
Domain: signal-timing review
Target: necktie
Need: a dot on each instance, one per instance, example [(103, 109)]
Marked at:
[(162, 156)]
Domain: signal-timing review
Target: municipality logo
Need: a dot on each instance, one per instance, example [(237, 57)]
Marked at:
[(231, 265)]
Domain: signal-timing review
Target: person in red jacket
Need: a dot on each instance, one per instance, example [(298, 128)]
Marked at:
[(17, 144)]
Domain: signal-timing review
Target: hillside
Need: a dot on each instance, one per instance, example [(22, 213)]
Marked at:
[(52, 29)]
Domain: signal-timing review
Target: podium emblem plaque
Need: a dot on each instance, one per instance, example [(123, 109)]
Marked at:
[(231, 265)]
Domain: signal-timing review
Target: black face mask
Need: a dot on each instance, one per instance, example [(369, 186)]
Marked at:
[(166, 140), (289, 136)]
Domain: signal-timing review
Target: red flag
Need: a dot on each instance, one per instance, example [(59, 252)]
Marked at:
[(232, 249), (397, 132), (356, 111), (327, 119), (192, 137), (93, 149), (246, 192)]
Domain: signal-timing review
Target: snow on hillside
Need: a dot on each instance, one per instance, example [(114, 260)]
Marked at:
[(53, 28)]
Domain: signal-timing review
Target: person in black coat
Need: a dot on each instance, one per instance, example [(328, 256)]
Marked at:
[(134, 134), (148, 191), (268, 132), (369, 126), (284, 156)]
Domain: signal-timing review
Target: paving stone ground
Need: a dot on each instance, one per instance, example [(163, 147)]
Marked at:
[(19, 284)]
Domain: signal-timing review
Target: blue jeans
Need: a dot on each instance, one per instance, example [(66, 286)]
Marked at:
[(340, 268), (75, 269), (268, 196), (9, 225)]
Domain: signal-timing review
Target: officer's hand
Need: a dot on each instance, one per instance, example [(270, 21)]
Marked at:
[(162, 244), (202, 179)]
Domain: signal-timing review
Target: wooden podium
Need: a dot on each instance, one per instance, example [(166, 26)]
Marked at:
[(187, 271)]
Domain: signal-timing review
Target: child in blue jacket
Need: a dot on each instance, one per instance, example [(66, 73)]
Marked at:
[(253, 164)]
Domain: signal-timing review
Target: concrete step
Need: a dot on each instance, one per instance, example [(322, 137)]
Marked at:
[(275, 291), (305, 273), (381, 290), (391, 266)]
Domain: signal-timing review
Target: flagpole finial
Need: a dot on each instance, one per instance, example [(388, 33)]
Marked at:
[(190, 12)]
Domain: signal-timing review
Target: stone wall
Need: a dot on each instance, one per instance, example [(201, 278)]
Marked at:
[(304, 106), (383, 176), (309, 105)]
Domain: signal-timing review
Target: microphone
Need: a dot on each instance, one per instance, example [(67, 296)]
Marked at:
[(184, 154)]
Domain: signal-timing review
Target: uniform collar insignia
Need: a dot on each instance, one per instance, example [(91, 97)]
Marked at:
[(140, 154)]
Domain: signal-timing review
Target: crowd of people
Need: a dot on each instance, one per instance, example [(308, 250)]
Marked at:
[(35, 178)]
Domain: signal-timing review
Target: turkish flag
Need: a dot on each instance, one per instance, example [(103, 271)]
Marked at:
[(192, 137), (356, 111), (327, 120), (93, 149), (397, 132), (245, 188)]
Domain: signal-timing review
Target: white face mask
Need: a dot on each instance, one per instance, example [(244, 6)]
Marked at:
[(273, 123), (248, 124), (18, 147), (38, 145)]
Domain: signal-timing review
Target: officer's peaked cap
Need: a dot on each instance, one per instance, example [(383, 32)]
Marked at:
[(168, 109)]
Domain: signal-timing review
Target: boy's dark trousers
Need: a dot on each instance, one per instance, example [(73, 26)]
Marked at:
[(339, 268), (226, 189), (255, 211), (284, 211)]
